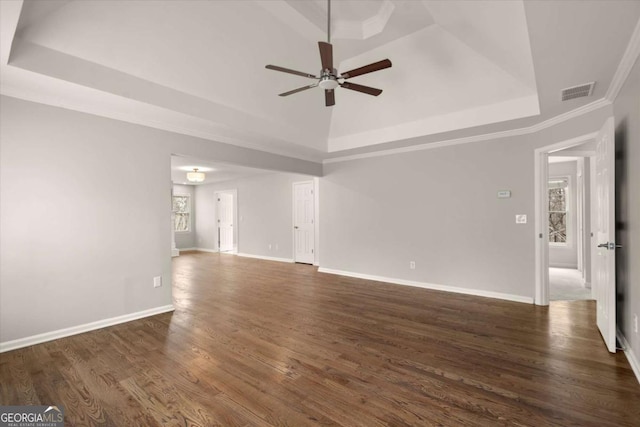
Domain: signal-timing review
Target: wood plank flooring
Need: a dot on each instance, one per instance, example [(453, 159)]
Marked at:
[(260, 343)]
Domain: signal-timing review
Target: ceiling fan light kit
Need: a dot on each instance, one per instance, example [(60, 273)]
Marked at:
[(329, 78)]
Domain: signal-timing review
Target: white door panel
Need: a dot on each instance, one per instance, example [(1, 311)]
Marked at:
[(225, 222), (303, 222), (604, 264)]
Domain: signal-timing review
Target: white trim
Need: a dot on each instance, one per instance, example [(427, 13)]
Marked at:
[(567, 143), (629, 58), (628, 351), (198, 249), (74, 330), (267, 258), (316, 207), (454, 289), (541, 218), (541, 166), (478, 138), (572, 155), (562, 264), (572, 114)]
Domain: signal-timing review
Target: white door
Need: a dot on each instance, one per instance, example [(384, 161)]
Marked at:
[(225, 222), (303, 222), (604, 264)]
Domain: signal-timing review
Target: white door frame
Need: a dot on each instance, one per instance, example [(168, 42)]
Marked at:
[(236, 226), (316, 210), (541, 194)]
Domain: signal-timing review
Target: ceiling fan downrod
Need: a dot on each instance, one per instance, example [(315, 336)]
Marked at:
[(329, 21), (329, 78)]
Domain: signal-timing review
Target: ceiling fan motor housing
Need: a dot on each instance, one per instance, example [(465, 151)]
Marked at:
[(328, 79)]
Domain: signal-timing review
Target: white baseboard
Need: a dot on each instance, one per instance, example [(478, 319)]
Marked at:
[(268, 258), (475, 292), (215, 251), (564, 265), (628, 351), (187, 249), (74, 330)]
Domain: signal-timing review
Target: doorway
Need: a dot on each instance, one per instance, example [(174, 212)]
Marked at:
[(226, 220), (569, 226), (600, 243)]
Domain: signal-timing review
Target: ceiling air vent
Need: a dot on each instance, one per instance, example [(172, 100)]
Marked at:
[(578, 91)]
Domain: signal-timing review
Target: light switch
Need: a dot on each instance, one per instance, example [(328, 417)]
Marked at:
[(521, 219), (504, 194)]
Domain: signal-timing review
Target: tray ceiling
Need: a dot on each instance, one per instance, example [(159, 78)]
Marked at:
[(199, 66)]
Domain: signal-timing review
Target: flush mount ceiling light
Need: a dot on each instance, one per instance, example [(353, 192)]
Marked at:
[(329, 78), (195, 176)]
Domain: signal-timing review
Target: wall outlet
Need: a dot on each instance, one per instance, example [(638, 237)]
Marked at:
[(412, 265), (521, 219), (635, 323), (269, 246), (157, 281)]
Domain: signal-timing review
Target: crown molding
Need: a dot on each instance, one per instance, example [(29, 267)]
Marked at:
[(627, 62), (602, 102)]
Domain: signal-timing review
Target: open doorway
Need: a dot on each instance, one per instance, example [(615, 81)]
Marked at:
[(563, 237), (601, 235), (569, 223)]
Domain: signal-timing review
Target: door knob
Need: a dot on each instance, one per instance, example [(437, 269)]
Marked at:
[(609, 245), (295, 226)]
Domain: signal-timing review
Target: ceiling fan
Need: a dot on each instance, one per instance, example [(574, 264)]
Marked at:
[(329, 79)]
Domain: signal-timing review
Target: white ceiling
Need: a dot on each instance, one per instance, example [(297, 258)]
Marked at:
[(197, 67)]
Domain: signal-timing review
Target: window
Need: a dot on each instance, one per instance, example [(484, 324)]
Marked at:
[(558, 199), (182, 212)]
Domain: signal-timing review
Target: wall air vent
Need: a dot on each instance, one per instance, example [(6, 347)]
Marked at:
[(578, 91)]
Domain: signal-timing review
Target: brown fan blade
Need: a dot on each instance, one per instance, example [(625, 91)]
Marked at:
[(364, 89), (376, 66), (326, 55), (329, 97), (286, 70), (300, 89)]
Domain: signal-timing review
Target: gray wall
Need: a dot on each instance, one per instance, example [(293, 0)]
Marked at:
[(439, 208), (627, 114), (187, 240), (567, 256), (85, 214), (85, 220), (264, 214)]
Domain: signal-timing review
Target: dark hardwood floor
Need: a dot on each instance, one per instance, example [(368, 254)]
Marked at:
[(256, 342)]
